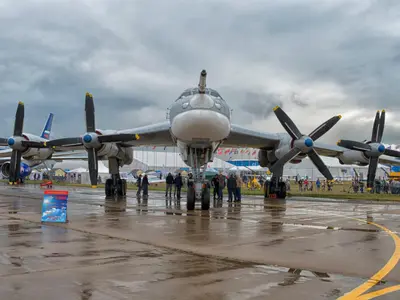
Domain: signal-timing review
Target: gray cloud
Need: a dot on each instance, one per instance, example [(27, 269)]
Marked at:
[(338, 57)]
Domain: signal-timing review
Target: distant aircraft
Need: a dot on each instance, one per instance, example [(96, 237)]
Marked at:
[(21, 144), (199, 122)]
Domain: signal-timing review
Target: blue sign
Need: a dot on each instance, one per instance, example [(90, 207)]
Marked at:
[(54, 207)]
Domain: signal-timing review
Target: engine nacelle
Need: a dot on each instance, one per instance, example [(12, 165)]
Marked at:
[(24, 171), (35, 153), (125, 155), (350, 157)]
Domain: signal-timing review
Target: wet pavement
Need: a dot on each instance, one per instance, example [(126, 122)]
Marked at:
[(153, 249)]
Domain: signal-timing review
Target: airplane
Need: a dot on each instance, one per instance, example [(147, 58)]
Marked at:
[(22, 145), (199, 122), (369, 151)]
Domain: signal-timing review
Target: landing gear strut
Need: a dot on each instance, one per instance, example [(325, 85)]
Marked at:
[(115, 186), (198, 186)]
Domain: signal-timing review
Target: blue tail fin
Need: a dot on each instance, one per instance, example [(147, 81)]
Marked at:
[(47, 128)]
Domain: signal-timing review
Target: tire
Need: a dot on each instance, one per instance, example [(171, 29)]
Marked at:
[(109, 188), (125, 186), (121, 188), (191, 198), (282, 190), (205, 199), (266, 189)]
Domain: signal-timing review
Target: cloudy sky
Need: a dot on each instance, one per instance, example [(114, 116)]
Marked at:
[(315, 58)]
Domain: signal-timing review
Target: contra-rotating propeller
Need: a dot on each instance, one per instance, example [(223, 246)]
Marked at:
[(91, 140), (18, 143), (372, 149), (302, 143)]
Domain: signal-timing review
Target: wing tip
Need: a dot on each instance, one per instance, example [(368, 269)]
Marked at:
[(20, 103), (89, 95), (383, 110), (339, 116), (275, 108)]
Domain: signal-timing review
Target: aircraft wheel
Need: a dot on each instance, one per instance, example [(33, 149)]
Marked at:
[(191, 198), (125, 186), (266, 189), (282, 190), (109, 188), (205, 199), (121, 188)]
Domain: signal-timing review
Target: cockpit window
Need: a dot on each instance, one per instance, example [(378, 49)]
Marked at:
[(195, 91)]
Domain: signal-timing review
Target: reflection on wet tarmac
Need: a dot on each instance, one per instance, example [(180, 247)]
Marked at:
[(97, 257)]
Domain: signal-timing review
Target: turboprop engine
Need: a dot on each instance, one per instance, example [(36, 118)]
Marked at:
[(25, 170)]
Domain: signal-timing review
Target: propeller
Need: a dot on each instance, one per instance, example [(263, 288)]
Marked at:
[(18, 143), (372, 149), (303, 143), (91, 140)]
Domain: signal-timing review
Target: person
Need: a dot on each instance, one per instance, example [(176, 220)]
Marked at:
[(239, 183), (318, 184), (178, 184), (139, 185), (221, 186), (215, 185), (169, 180), (231, 188), (145, 185)]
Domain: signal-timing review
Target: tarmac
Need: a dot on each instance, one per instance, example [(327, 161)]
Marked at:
[(152, 248)]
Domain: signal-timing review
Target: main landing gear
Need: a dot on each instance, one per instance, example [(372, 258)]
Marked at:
[(275, 188), (115, 186)]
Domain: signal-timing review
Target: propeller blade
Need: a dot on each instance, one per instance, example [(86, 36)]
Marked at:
[(287, 123), (15, 163), (373, 165), (375, 128), (32, 144), (3, 142), (65, 142), (19, 119), (381, 127), (118, 138), (324, 127), (93, 166), (284, 159), (316, 159), (391, 152), (89, 110), (353, 145)]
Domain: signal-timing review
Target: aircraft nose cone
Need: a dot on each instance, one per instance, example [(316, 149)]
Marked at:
[(87, 138), (308, 142), (11, 141), (381, 148)]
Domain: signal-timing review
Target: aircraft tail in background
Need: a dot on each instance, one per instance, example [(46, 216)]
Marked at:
[(47, 127)]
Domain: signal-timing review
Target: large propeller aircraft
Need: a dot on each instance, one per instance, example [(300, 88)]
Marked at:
[(28, 146), (370, 151), (198, 123)]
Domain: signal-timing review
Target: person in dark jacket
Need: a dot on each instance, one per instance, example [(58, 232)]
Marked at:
[(169, 180), (139, 185), (215, 185), (178, 184), (145, 185), (231, 187)]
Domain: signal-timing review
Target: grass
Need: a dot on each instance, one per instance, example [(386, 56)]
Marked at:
[(339, 191)]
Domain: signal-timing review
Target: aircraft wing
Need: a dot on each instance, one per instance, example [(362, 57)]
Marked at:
[(243, 137), (328, 149), (151, 135)]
